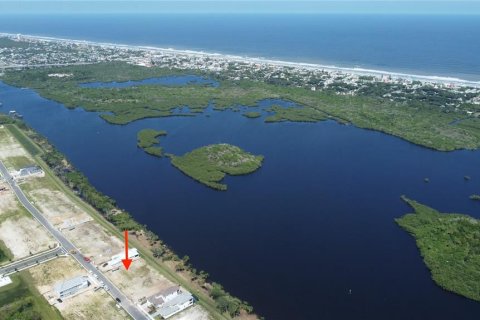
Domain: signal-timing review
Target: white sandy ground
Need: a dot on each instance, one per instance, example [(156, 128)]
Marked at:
[(8, 201), (87, 305), (57, 207), (94, 242), (140, 281), (24, 236), (193, 313)]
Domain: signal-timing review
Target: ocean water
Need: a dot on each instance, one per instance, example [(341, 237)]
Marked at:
[(293, 238), (438, 45)]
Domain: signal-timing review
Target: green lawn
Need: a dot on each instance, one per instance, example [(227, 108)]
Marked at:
[(450, 247), (5, 254), (20, 300), (24, 140)]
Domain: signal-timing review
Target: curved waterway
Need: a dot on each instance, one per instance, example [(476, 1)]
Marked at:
[(294, 237)]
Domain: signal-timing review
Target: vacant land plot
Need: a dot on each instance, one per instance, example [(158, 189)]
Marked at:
[(55, 205), (9, 147), (24, 236), (94, 242), (8, 201), (89, 304), (193, 313), (141, 280), (18, 162)]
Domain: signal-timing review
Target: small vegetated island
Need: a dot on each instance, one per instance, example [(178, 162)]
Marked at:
[(210, 164), (147, 139), (475, 197), (252, 114), (450, 247)]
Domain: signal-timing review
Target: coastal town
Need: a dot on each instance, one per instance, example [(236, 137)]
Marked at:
[(448, 94)]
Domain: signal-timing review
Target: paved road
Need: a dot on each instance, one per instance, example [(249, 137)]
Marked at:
[(31, 261), (129, 307), (21, 66)]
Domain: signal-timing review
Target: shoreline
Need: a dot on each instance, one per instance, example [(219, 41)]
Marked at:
[(360, 71)]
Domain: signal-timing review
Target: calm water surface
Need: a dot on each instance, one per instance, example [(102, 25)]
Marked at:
[(294, 237), (441, 45)]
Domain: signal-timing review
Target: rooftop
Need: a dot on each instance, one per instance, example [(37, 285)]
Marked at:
[(69, 284)]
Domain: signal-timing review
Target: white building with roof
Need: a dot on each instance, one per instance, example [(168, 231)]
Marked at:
[(116, 259), (69, 287), (29, 171)]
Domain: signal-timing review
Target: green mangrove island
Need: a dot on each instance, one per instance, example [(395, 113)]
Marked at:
[(148, 138), (449, 245), (210, 164), (475, 197)]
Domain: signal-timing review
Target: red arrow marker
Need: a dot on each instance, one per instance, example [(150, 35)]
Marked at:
[(126, 261)]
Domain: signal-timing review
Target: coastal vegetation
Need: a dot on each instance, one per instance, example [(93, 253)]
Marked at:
[(226, 303), (252, 114), (210, 164), (21, 300), (421, 120), (148, 138), (449, 245), (296, 114)]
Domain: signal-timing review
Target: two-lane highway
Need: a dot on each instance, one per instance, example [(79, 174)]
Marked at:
[(126, 304), (31, 261)]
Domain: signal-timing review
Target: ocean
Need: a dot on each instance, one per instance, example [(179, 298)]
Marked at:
[(435, 45)]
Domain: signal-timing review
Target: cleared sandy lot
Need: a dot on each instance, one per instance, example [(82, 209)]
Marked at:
[(88, 304), (91, 305), (24, 236), (139, 281), (94, 242), (192, 313), (8, 201), (55, 205)]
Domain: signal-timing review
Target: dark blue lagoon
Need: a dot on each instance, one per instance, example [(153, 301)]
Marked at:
[(293, 238)]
